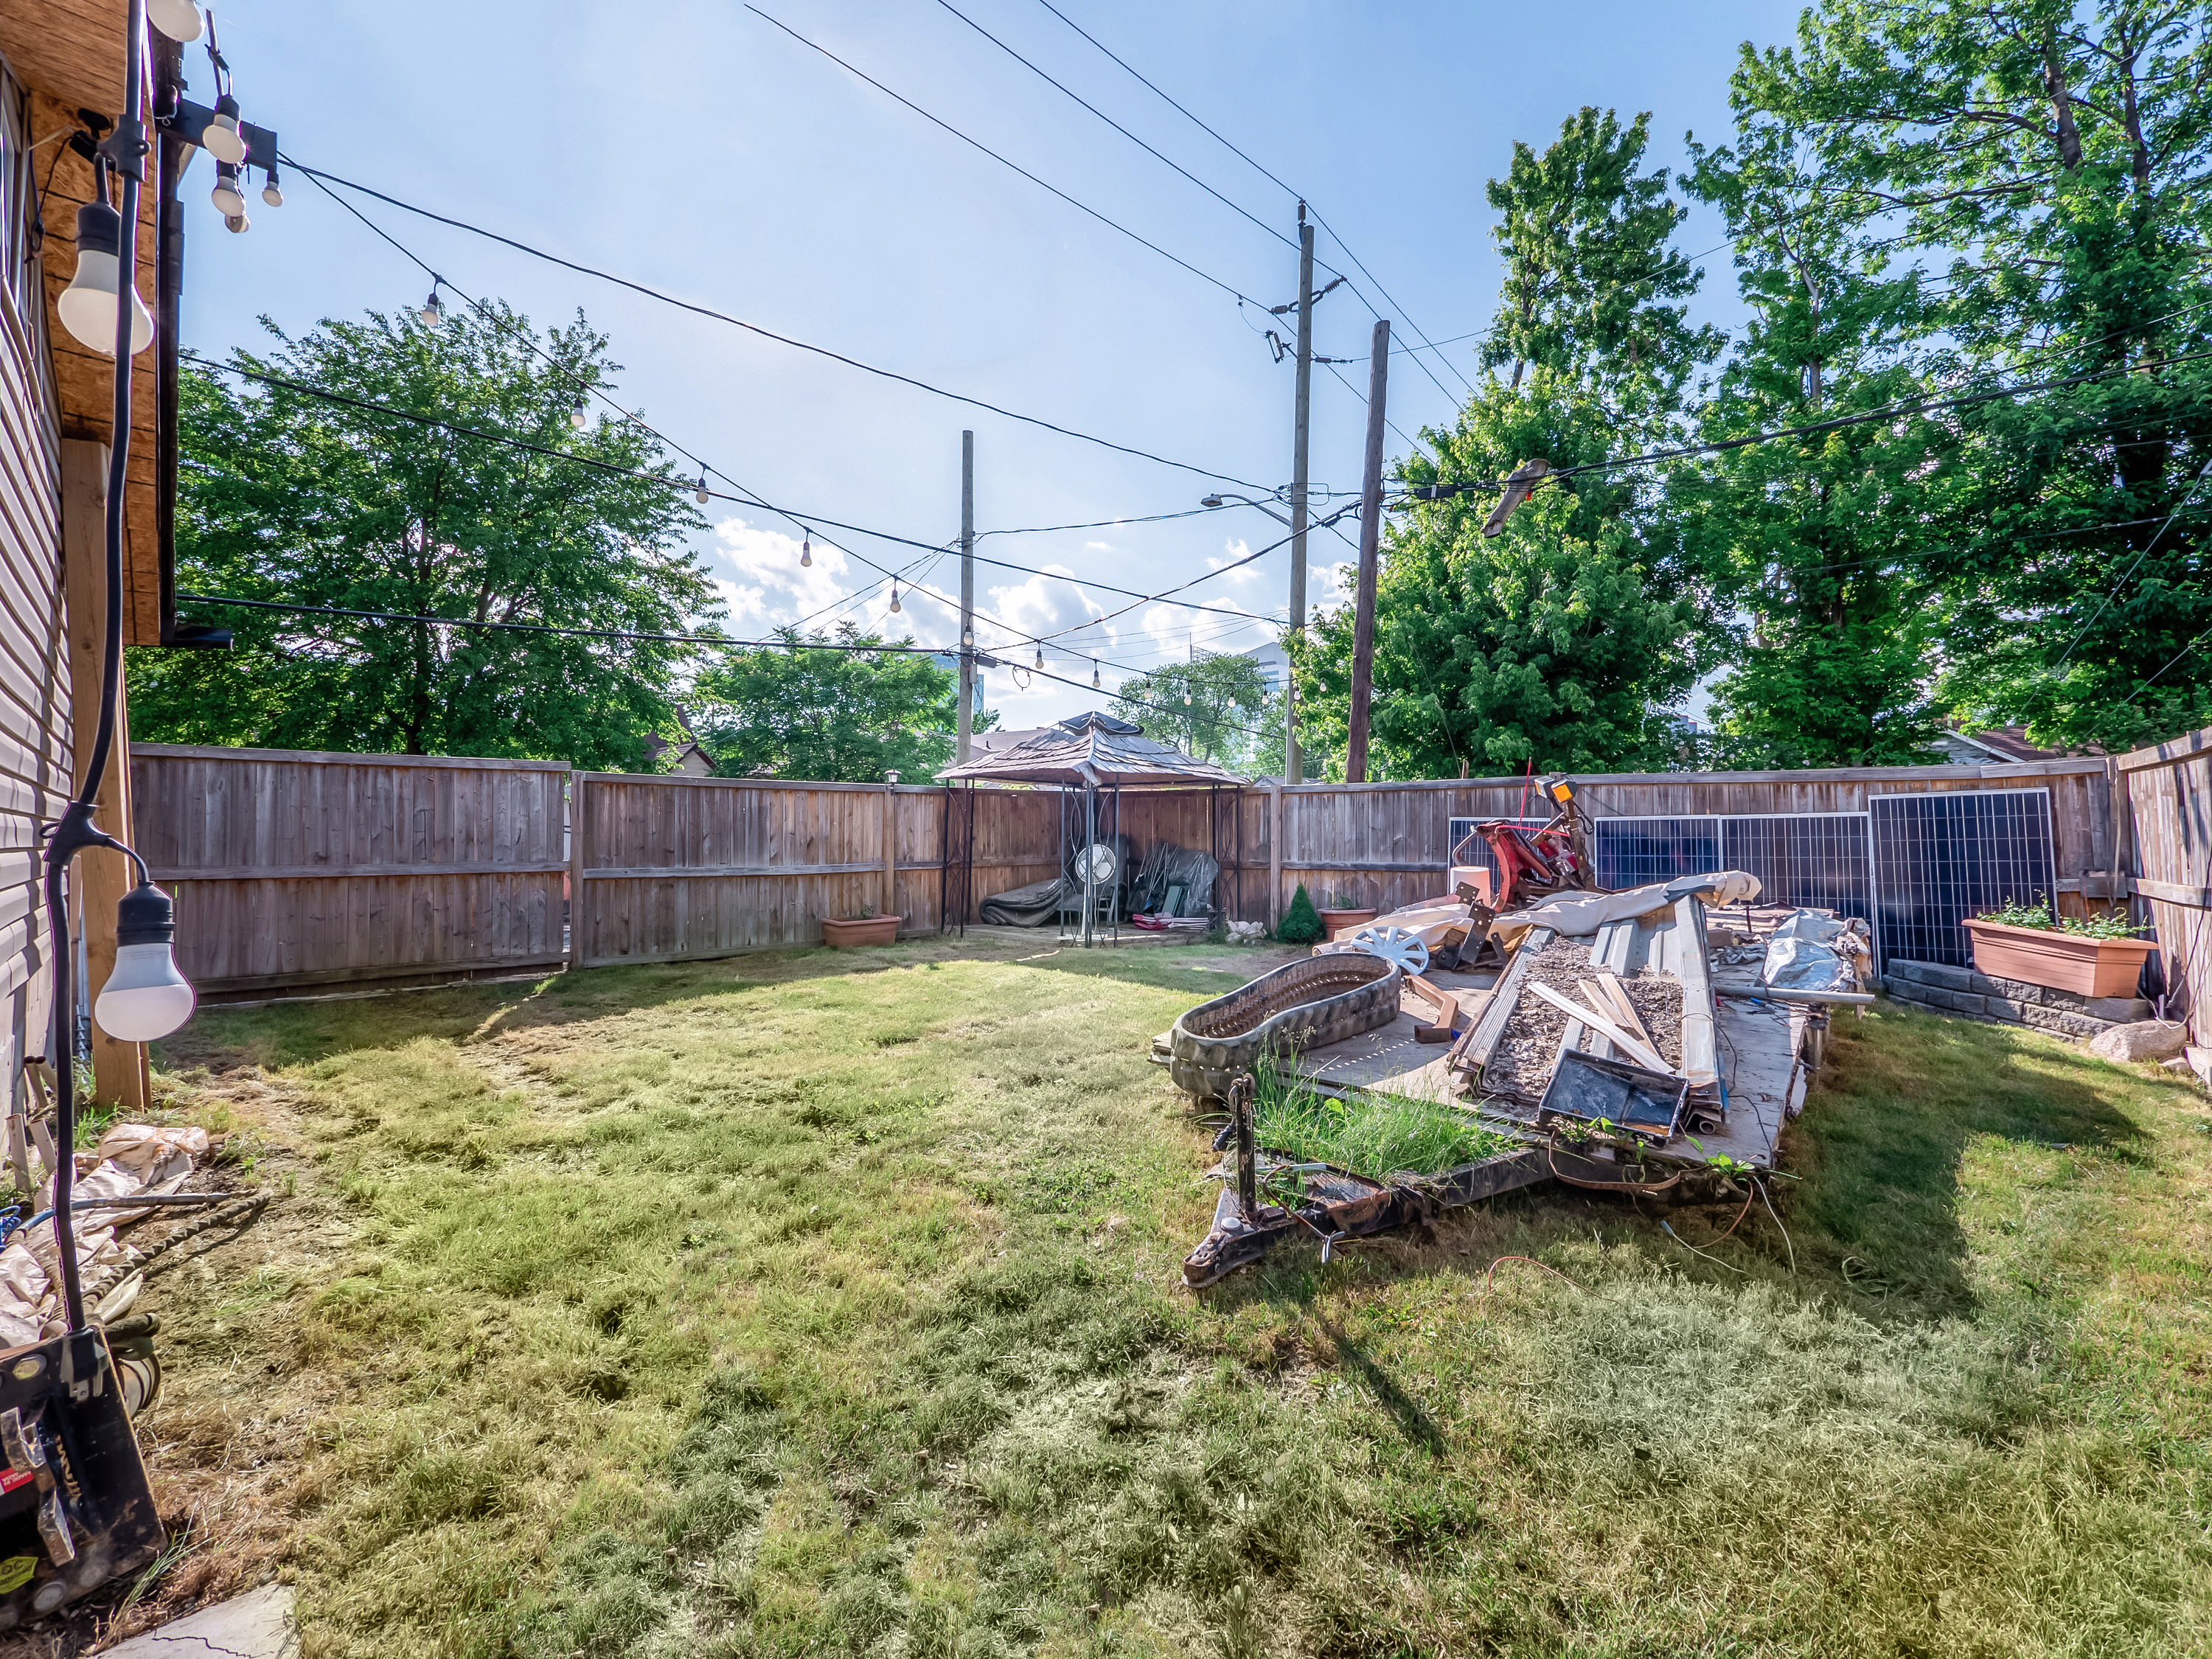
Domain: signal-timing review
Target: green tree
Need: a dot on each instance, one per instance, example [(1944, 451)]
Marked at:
[(1810, 544), (1563, 639), (2054, 157), (1589, 273), (1212, 707), (848, 715), (286, 494)]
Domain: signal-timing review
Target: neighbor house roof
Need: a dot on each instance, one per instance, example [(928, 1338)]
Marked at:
[(1091, 749)]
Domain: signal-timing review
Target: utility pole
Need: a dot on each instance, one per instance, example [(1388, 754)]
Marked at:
[(1293, 767), (967, 592), (1370, 537)]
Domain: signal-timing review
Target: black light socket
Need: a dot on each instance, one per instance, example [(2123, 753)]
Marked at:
[(146, 916)]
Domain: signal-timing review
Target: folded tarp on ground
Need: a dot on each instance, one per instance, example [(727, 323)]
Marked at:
[(1034, 906)]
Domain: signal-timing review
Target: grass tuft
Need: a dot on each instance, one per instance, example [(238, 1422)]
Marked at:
[(1371, 1135)]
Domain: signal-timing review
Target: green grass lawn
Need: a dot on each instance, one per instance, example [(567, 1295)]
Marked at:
[(818, 1303)]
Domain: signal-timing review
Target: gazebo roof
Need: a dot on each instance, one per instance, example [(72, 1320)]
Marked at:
[(1091, 749)]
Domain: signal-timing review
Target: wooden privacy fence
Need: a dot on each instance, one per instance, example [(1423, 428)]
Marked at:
[(294, 870), (667, 869), (2169, 791)]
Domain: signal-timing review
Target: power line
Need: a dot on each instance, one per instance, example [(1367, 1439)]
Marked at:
[(719, 640), (746, 496), (770, 334), (1081, 207), (1264, 173), (1232, 206)]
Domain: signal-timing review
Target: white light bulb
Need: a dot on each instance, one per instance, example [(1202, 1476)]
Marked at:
[(1094, 677), (433, 311), (270, 194), (578, 419), (86, 305), (179, 20), (699, 495), (222, 139), (145, 997), (895, 604), (1040, 659), (237, 224), (229, 201), (806, 552)]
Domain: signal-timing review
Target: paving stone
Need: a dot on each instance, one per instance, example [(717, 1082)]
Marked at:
[(255, 1626), (1964, 1002), (1907, 971), (2012, 990), (2006, 1008), (1945, 977), (2064, 1021), (2121, 1011)]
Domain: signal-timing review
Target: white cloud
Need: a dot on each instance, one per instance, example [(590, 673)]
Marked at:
[(776, 588), (1329, 585), (1244, 576)]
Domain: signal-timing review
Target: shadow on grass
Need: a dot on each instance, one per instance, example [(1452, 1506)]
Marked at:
[(1873, 1218)]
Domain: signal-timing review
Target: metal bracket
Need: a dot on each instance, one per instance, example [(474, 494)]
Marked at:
[(190, 123)]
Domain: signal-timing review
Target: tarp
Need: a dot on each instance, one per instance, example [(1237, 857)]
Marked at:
[(1572, 915), (1092, 749)]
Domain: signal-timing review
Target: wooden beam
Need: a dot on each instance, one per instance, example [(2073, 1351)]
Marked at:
[(577, 781), (1473, 1052), (1274, 858), (98, 878), (889, 906)]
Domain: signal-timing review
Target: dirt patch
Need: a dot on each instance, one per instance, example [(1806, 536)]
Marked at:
[(1521, 1065)]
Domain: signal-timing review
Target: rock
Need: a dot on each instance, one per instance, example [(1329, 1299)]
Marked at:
[(2177, 1064), (2142, 1040)]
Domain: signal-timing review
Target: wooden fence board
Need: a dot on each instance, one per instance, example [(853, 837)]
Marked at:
[(302, 869)]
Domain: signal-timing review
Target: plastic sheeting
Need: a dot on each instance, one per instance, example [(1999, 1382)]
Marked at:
[(1033, 906), (1168, 866), (1812, 953), (1576, 915)]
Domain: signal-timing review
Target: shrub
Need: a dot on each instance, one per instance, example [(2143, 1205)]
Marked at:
[(1301, 923)]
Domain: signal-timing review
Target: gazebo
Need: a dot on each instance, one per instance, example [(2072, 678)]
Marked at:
[(1090, 759)]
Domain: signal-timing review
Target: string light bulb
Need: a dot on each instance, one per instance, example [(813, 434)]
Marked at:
[(228, 198), (699, 495), (806, 552), (433, 310), (270, 192), (1040, 659), (145, 997), (895, 602), (179, 20), (86, 305), (578, 419), (222, 139), (1094, 673), (237, 224)]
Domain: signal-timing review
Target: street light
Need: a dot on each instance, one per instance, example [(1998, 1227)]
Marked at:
[(1223, 500)]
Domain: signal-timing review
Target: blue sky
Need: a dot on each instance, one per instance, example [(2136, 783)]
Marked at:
[(698, 149)]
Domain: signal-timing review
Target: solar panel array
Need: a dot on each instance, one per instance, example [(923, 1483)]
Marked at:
[(1912, 867), (1941, 858)]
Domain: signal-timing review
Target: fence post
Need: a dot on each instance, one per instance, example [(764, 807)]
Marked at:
[(576, 822), (1274, 855), (890, 905)]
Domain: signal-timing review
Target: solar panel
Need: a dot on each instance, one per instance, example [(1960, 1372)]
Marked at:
[(1634, 852), (1939, 858), (1816, 859)]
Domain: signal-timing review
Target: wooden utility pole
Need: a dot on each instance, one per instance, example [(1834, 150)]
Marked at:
[(1370, 537), (967, 592), (1293, 767), (100, 878)]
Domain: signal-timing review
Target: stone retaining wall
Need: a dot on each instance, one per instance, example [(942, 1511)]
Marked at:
[(1946, 990)]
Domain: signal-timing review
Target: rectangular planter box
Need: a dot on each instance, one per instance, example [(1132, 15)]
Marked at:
[(2065, 962), (872, 930)]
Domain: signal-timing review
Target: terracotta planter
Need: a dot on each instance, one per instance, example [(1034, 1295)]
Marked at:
[(2064, 961), (1341, 924), (874, 930)]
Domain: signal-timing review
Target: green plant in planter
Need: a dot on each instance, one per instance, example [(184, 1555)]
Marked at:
[(1301, 923), (2107, 925)]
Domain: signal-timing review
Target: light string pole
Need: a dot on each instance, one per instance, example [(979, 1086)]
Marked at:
[(145, 998)]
